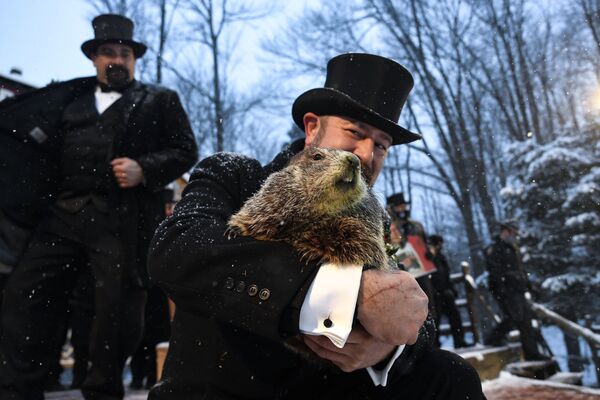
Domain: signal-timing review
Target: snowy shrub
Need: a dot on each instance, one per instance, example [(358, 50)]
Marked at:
[(583, 221), (553, 189)]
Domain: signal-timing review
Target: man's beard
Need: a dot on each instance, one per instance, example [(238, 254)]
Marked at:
[(117, 76), (367, 174)]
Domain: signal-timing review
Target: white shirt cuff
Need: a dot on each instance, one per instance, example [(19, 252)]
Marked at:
[(329, 305), (381, 377)]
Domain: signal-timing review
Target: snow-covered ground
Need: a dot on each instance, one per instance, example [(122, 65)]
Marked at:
[(76, 395), (554, 338), (510, 387)]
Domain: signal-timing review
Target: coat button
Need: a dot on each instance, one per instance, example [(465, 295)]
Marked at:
[(252, 290), (229, 283), (264, 294), (241, 285)]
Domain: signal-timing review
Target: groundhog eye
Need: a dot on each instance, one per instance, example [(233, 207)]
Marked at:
[(318, 156)]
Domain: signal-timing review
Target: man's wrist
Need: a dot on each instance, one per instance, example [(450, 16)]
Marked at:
[(364, 291)]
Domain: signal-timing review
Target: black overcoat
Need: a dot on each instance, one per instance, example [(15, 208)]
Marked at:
[(507, 280), (154, 131), (440, 279), (237, 299)]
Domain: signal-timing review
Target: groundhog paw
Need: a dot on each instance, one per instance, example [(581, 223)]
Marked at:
[(233, 231)]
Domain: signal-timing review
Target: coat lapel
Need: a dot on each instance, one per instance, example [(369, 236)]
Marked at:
[(132, 99)]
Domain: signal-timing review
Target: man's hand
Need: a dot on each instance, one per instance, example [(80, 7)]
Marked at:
[(391, 306), (361, 350), (127, 172)]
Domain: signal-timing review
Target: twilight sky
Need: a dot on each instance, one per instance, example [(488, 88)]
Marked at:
[(42, 37)]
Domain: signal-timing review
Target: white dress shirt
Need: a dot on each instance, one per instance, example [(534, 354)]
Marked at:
[(105, 99), (329, 306)]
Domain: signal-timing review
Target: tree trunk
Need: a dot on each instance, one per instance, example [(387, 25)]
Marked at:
[(162, 37), (214, 40)]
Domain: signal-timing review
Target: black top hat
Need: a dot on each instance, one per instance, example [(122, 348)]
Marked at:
[(112, 28), (397, 198), (369, 88), (512, 224)]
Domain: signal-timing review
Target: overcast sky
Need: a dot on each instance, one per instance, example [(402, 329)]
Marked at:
[(43, 38)]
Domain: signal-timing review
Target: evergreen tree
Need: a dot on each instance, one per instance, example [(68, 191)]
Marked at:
[(554, 190)]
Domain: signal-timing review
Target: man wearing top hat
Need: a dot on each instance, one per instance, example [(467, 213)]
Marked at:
[(402, 227), (239, 299), (99, 151), (508, 283), (399, 210)]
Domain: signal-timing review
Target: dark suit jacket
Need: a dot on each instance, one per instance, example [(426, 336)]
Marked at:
[(227, 340), (154, 131), (506, 274), (507, 279)]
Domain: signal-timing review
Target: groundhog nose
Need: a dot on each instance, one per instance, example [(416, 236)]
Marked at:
[(353, 161)]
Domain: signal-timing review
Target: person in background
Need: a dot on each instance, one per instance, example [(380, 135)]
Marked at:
[(106, 146), (444, 292), (402, 226), (508, 284)]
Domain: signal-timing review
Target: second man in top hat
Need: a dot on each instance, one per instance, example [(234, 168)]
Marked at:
[(108, 144)]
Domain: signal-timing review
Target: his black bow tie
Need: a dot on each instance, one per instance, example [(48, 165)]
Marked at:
[(107, 88)]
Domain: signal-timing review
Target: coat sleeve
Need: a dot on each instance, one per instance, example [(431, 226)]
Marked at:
[(243, 282), (178, 151)]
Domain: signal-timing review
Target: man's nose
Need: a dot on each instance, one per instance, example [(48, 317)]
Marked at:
[(117, 58), (116, 62), (364, 150)]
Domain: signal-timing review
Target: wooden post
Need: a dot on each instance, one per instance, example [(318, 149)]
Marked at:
[(470, 282), (161, 355), (594, 349), (171, 310), (470, 302)]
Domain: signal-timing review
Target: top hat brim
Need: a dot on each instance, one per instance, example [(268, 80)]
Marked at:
[(509, 225), (90, 46), (396, 199), (435, 240), (328, 101)]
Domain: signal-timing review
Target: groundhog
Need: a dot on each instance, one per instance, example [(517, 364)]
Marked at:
[(321, 205)]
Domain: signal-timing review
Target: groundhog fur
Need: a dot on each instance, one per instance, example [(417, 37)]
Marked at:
[(321, 205)]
